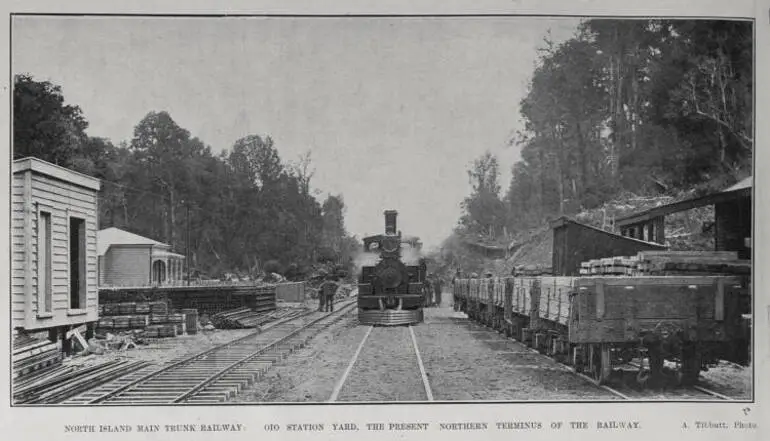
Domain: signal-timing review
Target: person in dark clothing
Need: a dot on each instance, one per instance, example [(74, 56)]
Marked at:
[(328, 290), (437, 286), (321, 299), (428, 292), (321, 296)]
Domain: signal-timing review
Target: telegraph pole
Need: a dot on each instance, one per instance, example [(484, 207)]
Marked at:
[(187, 243)]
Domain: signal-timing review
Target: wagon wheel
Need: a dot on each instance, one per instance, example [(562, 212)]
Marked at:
[(691, 365), (600, 363)]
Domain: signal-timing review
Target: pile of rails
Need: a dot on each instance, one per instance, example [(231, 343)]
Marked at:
[(153, 318), (669, 263), (61, 382), (241, 318), (32, 356)]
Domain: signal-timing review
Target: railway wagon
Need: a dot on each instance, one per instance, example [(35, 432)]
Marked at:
[(391, 291), (595, 322)]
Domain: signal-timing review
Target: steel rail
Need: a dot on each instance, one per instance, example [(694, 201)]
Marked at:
[(190, 359), (424, 376), (712, 393), (341, 381), (195, 389)]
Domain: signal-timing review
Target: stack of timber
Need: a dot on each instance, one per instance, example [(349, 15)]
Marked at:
[(213, 300), (32, 356), (56, 385), (613, 266), (151, 317), (531, 270), (246, 318), (669, 263), (128, 315), (207, 300)]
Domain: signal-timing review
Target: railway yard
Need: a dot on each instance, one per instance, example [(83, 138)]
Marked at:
[(310, 356)]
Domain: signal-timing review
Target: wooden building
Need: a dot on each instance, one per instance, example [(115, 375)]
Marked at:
[(574, 243), (53, 228), (127, 259), (732, 219)]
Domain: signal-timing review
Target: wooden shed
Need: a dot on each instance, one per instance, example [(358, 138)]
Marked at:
[(574, 243), (732, 218), (53, 224)]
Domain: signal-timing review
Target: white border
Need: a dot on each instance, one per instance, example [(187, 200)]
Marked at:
[(658, 419)]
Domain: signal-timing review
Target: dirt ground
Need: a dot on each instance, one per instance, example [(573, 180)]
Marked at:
[(461, 364), (468, 362), (463, 361), (728, 379), (310, 374)]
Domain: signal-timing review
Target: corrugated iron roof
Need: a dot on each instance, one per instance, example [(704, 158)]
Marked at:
[(115, 236)]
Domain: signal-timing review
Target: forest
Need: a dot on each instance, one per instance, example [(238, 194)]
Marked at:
[(243, 211), (625, 107)]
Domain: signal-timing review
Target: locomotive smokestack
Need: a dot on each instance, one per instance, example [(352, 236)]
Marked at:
[(390, 222)]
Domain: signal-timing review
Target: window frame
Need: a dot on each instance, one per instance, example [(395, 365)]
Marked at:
[(41, 274), (82, 296)]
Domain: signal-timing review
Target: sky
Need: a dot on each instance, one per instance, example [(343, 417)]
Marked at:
[(393, 110)]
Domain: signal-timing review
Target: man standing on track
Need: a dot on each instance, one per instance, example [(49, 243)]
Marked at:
[(437, 286), (321, 296), (327, 291)]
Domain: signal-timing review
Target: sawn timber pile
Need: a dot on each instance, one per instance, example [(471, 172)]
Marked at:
[(668, 263)]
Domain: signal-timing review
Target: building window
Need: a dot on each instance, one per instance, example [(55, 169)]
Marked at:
[(44, 270), (78, 280)]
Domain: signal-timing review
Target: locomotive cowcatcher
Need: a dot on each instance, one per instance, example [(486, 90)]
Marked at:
[(391, 291)]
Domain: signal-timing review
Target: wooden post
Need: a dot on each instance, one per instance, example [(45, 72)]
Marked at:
[(660, 233)]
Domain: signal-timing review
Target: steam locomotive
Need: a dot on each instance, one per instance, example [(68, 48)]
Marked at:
[(391, 292)]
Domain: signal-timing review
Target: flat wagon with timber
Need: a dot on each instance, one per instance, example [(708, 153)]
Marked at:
[(619, 309)]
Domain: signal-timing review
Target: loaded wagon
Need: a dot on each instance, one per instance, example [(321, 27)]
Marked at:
[(655, 306)]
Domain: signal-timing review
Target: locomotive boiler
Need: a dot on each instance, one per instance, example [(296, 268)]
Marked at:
[(390, 287)]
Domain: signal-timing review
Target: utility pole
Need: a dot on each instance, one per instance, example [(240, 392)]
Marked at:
[(187, 243)]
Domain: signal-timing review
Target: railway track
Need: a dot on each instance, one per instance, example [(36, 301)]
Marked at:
[(217, 374), (390, 360)]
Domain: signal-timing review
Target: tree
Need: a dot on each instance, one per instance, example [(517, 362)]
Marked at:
[(484, 212), (638, 106), (43, 126)]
